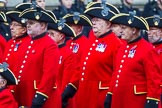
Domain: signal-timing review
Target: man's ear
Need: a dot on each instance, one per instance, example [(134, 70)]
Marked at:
[(134, 30), (4, 83), (109, 24), (62, 36), (43, 25), (24, 30)]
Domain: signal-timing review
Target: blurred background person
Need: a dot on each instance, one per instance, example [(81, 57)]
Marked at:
[(41, 3), (65, 7), (79, 5), (127, 6), (152, 7)]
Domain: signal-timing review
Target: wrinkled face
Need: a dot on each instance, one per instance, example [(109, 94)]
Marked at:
[(41, 3), (100, 26), (17, 29), (154, 34), (34, 28), (127, 33), (55, 35), (67, 3), (116, 29)]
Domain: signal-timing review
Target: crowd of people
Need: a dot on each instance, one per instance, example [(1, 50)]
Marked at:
[(78, 55)]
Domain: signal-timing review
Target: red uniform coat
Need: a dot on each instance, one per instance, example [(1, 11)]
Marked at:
[(14, 51), (96, 71), (78, 46), (158, 47), (3, 43), (66, 66), (7, 99), (66, 70), (136, 76), (37, 71)]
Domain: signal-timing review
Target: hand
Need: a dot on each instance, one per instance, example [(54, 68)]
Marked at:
[(107, 103), (38, 101), (151, 103), (69, 92)]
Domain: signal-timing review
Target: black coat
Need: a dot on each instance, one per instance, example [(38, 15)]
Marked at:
[(124, 9), (151, 8)]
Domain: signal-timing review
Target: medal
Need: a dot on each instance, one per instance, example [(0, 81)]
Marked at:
[(75, 48), (132, 52), (101, 47), (17, 45), (60, 60)]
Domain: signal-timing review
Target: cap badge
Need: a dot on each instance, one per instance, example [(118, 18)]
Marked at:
[(76, 17), (23, 20), (61, 23), (3, 67), (156, 20), (129, 21), (105, 11), (37, 15), (131, 17)]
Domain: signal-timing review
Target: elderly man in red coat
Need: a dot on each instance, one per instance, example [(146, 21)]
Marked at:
[(96, 63), (155, 36), (58, 32), (136, 79), (39, 66), (15, 46)]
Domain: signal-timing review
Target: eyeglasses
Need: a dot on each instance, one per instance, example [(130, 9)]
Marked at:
[(15, 24)]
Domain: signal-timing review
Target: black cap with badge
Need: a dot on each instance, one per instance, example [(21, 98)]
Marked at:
[(14, 16), (38, 14), (78, 19), (7, 74), (24, 6), (154, 21), (130, 20), (62, 27), (100, 12)]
